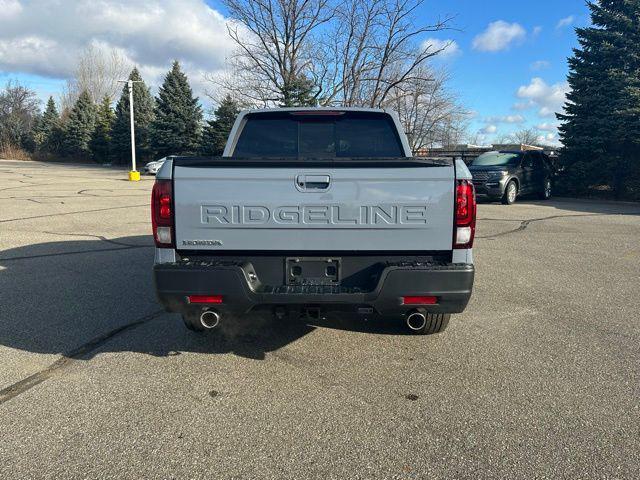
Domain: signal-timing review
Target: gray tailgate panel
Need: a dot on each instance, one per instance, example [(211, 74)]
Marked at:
[(362, 209)]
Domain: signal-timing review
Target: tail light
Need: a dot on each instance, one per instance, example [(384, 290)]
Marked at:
[(421, 300), (465, 215), (213, 299), (162, 213)]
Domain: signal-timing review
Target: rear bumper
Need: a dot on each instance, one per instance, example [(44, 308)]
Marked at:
[(451, 284)]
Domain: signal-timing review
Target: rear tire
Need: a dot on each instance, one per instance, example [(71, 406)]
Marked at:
[(192, 322), (436, 323), (510, 193)]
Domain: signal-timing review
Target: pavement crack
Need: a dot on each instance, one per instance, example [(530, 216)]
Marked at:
[(525, 223), (75, 195), (27, 185), (117, 195), (84, 192), (72, 213), (501, 219), (70, 357)]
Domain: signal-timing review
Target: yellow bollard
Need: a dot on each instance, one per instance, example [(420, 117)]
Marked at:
[(134, 176)]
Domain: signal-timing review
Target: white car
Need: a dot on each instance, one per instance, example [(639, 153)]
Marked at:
[(152, 168)]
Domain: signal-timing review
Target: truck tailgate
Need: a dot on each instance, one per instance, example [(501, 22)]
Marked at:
[(223, 208)]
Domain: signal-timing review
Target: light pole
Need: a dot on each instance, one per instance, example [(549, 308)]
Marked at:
[(134, 175)]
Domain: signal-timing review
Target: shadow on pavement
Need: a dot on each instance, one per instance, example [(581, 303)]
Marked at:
[(72, 297), (567, 206)]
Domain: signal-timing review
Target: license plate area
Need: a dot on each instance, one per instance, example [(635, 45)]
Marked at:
[(313, 271)]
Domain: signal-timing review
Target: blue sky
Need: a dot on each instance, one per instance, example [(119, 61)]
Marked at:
[(507, 65), (492, 82)]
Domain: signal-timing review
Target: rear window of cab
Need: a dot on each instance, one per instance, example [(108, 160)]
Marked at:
[(320, 135)]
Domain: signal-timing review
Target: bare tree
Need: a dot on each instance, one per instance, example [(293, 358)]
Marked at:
[(526, 136), (351, 52), (274, 40), (19, 109), (346, 53), (375, 50), (98, 72), (430, 114), (455, 129), (476, 138)]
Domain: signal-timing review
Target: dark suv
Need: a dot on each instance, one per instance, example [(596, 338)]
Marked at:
[(505, 175)]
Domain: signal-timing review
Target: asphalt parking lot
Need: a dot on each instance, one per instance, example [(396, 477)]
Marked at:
[(539, 378)]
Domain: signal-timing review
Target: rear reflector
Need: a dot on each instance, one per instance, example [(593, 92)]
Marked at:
[(163, 235), (205, 298), (419, 300), (463, 235)]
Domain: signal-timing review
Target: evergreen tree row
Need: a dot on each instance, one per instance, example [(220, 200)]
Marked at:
[(600, 127), (171, 124)]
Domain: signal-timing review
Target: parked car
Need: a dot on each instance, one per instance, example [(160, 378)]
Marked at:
[(506, 175), (152, 168), (311, 211)]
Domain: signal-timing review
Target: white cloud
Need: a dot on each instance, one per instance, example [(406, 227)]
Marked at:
[(548, 133), (549, 98), (565, 22), (9, 8), (548, 127), (489, 129), (547, 139), (450, 48), (505, 119), (499, 35), (520, 106), (540, 65), (536, 31), (35, 54), (45, 38), (548, 111)]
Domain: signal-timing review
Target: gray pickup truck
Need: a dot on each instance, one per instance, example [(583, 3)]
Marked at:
[(310, 211)]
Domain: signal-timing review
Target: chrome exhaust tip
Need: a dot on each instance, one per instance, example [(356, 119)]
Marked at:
[(416, 321), (209, 319)]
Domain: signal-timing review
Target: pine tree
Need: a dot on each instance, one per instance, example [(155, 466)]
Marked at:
[(143, 105), (216, 132), (80, 126), (35, 136), (101, 147), (176, 128), (298, 93), (41, 138), (55, 141), (601, 125), (50, 130), (50, 117)]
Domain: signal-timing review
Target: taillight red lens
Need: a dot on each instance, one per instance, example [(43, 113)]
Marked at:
[(465, 203), (211, 299), (165, 206), (162, 213), (465, 215), (419, 300)]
